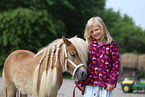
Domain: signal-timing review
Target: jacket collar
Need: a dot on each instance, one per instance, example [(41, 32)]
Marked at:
[(102, 44)]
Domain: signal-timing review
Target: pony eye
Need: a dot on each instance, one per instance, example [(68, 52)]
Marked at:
[(73, 54)]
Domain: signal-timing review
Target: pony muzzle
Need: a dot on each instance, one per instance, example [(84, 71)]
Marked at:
[(77, 68), (81, 73)]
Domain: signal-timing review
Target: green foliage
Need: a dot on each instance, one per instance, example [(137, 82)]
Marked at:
[(14, 4), (33, 4), (73, 13), (110, 17), (31, 24), (27, 29), (126, 33), (76, 18)]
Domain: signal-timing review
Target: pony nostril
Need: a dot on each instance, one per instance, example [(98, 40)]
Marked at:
[(83, 75)]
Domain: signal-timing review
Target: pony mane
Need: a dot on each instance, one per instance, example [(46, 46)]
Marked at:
[(49, 52), (80, 45), (49, 78), (82, 49), (49, 47)]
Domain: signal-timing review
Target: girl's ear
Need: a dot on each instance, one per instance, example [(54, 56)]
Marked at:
[(66, 41)]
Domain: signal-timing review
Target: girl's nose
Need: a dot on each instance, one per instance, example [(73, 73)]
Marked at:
[(95, 32)]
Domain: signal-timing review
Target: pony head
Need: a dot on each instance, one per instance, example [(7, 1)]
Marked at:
[(75, 57)]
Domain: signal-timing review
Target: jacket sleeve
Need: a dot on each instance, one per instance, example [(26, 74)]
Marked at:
[(80, 83), (115, 65)]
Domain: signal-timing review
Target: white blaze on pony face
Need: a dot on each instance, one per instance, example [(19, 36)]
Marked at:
[(75, 66)]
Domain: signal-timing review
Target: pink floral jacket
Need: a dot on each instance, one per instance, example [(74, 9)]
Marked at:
[(104, 64)]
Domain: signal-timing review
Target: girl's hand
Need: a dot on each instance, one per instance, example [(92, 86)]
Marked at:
[(82, 88), (110, 87)]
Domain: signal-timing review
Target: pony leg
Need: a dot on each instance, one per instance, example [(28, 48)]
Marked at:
[(11, 91), (5, 88), (5, 91)]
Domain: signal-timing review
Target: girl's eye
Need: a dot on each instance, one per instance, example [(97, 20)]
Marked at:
[(96, 29), (73, 54)]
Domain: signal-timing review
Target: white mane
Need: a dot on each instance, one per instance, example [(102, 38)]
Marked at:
[(82, 49), (49, 47), (49, 78), (80, 45)]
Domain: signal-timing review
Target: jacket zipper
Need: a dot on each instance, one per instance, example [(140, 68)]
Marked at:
[(99, 65)]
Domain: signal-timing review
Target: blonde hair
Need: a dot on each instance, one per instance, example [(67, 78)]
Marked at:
[(96, 21)]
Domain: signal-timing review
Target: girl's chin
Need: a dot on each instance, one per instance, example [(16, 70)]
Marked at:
[(97, 38)]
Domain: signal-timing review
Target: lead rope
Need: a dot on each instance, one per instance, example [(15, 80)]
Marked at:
[(79, 87), (74, 91)]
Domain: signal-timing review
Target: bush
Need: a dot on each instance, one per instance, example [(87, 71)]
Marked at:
[(26, 29)]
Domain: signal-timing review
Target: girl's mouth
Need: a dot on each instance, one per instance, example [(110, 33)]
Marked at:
[(96, 35)]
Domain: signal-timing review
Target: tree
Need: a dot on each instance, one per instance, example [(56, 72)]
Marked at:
[(27, 29), (76, 18), (124, 31), (73, 13), (31, 24)]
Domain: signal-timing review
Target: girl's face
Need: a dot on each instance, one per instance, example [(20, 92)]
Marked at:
[(96, 33)]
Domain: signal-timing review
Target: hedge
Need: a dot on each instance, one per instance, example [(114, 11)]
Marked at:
[(27, 29)]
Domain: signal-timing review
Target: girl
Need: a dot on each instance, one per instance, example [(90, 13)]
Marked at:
[(104, 62)]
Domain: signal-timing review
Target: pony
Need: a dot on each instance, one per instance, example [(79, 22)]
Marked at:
[(40, 74)]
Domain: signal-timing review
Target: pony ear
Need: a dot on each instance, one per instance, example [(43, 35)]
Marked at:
[(76, 36), (66, 41)]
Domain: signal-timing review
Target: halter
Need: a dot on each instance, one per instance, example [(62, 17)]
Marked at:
[(71, 62)]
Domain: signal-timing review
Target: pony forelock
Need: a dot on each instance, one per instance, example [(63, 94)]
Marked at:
[(82, 48)]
